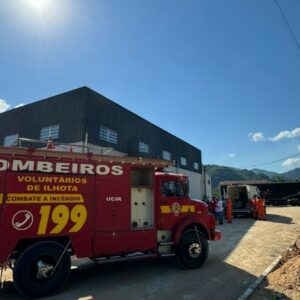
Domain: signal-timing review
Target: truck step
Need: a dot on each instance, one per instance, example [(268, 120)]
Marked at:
[(167, 254), (165, 243), (121, 257)]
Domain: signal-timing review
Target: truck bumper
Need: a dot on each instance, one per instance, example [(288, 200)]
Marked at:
[(217, 235)]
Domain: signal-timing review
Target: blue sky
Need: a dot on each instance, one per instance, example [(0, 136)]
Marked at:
[(210, 72)]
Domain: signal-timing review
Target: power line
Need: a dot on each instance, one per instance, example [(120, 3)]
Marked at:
[(274, 161), (288, 25)]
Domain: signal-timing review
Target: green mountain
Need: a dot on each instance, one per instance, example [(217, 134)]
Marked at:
[(221, 173), (265, 172), (292, 175), (287, 176)]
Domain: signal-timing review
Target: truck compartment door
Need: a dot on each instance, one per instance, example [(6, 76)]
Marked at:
[(112, 217)]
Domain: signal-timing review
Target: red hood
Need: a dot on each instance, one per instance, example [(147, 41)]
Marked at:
[(201, 205)]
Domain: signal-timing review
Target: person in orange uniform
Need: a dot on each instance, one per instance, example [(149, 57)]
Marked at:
[(261, 212), (253, 204), (229, 210)]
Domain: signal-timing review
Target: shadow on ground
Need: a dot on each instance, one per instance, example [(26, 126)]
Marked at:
[(279, 219), (150, 279), (153, 278), (273, 218), (263, 293)]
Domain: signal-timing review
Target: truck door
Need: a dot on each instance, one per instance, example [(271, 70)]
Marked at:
[(174, 202)]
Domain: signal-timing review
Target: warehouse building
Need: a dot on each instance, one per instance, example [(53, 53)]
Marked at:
[(83, 116)]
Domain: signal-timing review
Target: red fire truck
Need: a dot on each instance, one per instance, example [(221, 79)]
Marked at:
[(57, 204)]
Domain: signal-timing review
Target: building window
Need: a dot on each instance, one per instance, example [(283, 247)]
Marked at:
[(143, 148), (208, 182), (108, 135), (50, 131), (166, 155), (183, 161), (11, 140), (196, 165)]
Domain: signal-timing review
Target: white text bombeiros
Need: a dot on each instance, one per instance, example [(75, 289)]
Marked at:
[(60, 167)]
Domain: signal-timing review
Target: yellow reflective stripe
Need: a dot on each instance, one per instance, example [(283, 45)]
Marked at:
[(165, 209), (44, 198), (187, 208), (1, 198)]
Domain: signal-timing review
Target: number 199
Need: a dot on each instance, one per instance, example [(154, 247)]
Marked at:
[(60, 216)]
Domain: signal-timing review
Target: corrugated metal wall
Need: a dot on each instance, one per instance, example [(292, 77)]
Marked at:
[(83, 110), (64, 109), (132, 129)]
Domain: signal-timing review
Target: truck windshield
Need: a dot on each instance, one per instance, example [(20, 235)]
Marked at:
[(174, 188)]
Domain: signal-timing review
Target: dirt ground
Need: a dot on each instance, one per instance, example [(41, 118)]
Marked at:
[(284, 281)]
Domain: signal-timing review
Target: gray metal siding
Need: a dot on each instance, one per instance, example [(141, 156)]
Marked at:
[(65, 110), (83, 110), (132, 128)]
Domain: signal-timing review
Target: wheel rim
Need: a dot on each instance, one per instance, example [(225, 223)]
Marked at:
[(44, 270), (194, 250)]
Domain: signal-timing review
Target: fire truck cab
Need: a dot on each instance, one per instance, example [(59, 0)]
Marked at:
[(54, 205)]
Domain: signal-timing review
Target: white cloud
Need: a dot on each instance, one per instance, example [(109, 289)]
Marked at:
[(286, 134), (256, 136), (291, 163), (3, 106), (232, 155), (19, 105)]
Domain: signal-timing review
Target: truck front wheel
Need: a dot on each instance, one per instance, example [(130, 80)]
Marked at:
[(192, 249), (41, 269)]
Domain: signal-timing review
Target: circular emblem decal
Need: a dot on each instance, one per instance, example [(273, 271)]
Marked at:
[(22, 220), (176, 208)]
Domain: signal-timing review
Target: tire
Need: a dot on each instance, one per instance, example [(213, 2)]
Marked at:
[(27, 275), (186, 251)]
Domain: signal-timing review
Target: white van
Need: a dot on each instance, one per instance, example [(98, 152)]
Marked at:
[(241, 196)]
